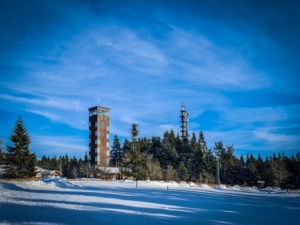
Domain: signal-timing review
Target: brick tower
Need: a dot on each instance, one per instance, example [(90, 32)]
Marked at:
[(99, 136)]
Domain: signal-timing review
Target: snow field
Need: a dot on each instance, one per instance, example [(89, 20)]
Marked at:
[(58, 201)]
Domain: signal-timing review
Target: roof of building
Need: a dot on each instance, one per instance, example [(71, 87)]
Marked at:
[(112, 170), (39, 169), (49, 172), (96, 107)]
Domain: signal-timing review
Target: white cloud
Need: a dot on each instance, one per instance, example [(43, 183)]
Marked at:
[(281, 141), (70, 118), (205, 63), (248, 115), (52, 102), (58, 145)]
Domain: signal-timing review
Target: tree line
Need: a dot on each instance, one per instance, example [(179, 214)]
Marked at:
[(168, 158), (68, 167), (189, 159)]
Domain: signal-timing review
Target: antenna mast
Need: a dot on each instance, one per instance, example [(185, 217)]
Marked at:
[(98, 101), (184, 121)]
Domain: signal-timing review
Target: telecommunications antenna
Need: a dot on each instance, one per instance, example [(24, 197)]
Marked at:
[(98, 101)]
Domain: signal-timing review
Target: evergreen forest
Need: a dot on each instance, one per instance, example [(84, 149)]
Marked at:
[(170, 157)]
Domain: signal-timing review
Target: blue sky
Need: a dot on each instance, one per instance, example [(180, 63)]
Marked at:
[(234, 63)]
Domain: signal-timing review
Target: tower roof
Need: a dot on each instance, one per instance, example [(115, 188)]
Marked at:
[(98, 107)]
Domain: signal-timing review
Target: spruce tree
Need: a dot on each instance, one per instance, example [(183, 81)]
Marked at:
[(116, 151), (135, 161), (196, 161), (169, 155), (134, 133), (202, 141), (126, 147), (156, 149), (209, 167), (19, 162), (182, 172)]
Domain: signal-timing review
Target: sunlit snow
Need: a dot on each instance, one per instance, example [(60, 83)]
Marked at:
[(58, 201)]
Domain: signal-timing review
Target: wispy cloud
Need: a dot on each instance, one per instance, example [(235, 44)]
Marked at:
[(52, 102), (58, 145), (143, 68), (250, 115)]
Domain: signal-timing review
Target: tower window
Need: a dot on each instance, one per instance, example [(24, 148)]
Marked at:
[(102, 112), (97, 133), (97, 141), (97, 124)]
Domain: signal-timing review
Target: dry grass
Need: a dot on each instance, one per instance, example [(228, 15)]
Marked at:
[(19, 179)]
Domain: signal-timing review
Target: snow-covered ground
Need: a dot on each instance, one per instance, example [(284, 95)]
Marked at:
[(58, 201)]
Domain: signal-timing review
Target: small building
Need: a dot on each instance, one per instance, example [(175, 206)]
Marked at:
[(107, 173), (50, 173), (39, 171)]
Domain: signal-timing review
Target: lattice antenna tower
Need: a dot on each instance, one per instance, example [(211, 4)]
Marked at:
[(184, 121)]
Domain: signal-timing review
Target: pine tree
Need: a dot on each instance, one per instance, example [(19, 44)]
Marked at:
[(19, 162), (127, 146), (229, 165), (43, 163), (178, 144), (54, 163), (73, 168), (195, 163), (209, 167), (182, 172), (156, 149), (169, 154), (186, 151), (250, 173), (134, 133), (65, 165), (146, 145), (116, 151), (202, 141), (135, 161)]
